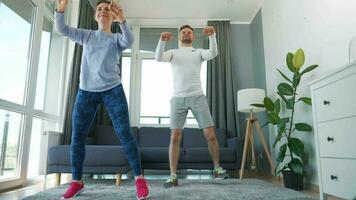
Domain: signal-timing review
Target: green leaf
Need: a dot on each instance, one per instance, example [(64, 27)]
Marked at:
[(281, 125), (306, 100), (277, 139), (296, 79), (268, 104), (308, 69), (298, 59), (284, 121), (282, 153), (281, 129), (282, 96), (273, 118), (258, 105), (277, 106), (284, 76), (285, 100), (290, 103), (296, 146), (285, 89), (265, 124), (303, 127), (290, 62), (296, 166)]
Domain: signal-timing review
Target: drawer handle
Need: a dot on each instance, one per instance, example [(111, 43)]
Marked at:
[(330, 139), (332, 177), (326, 102)]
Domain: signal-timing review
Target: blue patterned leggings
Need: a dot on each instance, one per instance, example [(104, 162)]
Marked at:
[(85, 107)]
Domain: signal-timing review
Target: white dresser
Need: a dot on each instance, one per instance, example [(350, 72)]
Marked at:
[(334, 112)]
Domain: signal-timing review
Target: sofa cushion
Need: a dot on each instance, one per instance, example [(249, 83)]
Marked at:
[(196, 155), (96, 155), (156, 154), (154, 137), (105, 135), (193, 137)]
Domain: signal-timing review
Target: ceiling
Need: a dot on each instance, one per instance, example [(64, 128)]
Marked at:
[(239, 11)]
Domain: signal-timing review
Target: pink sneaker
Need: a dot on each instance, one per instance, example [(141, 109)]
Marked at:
[(74, 189), (142, 191)]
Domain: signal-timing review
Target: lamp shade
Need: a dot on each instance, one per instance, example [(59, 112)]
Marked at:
[(249, 96)]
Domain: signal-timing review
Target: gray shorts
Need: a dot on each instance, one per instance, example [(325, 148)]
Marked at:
[(199, 107)]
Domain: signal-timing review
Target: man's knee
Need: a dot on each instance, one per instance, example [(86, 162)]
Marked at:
[(210, 134), (176, 135)]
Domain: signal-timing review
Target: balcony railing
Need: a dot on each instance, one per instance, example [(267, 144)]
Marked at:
[(160, 119)]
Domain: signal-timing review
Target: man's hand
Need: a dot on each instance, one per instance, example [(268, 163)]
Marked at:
[(117, 12), (208, 31), (166, 36), (61, 5)]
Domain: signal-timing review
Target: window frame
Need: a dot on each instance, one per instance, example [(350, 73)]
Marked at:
[(27, 109)]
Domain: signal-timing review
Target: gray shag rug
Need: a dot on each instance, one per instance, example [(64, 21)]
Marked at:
[(230, 189)]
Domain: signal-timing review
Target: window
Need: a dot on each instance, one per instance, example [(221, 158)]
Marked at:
[(51, 4), (126, 72), (10, 130), (149, 38), (48, 75), (14, 65), (156, 89), (31, 74), (43, 63), (125, 76), (156, 78), (14, 49)]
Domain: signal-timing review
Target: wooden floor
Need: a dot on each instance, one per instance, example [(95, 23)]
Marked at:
[(21, 193)]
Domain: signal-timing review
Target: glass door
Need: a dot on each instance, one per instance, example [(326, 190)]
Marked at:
[(16, 21)]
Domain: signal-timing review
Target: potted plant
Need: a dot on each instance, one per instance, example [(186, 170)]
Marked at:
[(288, 128)]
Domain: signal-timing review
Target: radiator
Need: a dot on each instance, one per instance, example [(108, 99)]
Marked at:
[(48, 140)]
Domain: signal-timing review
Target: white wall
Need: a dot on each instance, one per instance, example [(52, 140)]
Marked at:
[(323, 28)]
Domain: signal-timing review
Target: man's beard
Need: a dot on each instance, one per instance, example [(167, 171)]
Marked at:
[(186, 40)]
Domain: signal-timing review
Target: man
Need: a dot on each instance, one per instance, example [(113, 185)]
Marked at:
[(188, 94)]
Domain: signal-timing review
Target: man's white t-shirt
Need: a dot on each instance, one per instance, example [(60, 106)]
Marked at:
[(186, 65)]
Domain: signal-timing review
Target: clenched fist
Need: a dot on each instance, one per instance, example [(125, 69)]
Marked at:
[(209, 30), (166, 36)]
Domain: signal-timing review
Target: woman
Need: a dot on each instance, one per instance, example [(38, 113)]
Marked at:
[(100, 83)]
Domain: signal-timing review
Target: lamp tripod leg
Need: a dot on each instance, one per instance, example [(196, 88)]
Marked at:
[(244, 155), (263, 141), (253, 164)]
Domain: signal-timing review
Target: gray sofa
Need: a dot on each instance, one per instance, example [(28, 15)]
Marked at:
[(104, 155)]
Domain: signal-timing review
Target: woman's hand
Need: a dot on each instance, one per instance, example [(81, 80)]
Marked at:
[(117, 12), (61, 5)]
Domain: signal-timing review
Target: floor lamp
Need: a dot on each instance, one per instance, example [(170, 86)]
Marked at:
[(246, 97)]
